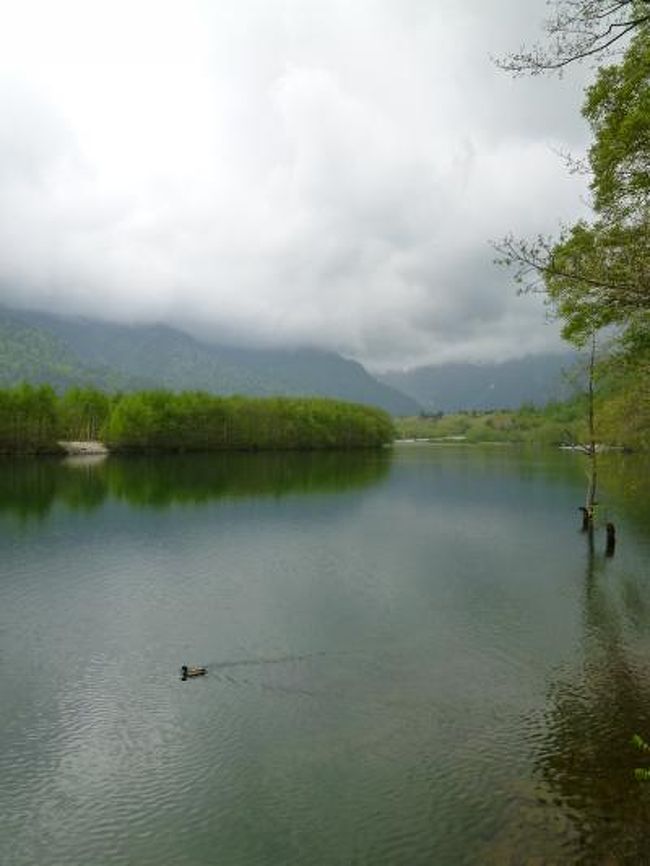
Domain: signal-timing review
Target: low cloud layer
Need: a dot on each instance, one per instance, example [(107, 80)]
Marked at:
[(283, 172)]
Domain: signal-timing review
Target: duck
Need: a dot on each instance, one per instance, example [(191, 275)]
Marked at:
[(193, 671)]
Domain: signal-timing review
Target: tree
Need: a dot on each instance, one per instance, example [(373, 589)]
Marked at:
[(579, 29), (598, 273), (84, 412), (28, 419)]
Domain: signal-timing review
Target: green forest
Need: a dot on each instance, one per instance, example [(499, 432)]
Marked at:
[(33, 419)]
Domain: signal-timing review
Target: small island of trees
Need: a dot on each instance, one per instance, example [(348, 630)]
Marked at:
[(34, 419)]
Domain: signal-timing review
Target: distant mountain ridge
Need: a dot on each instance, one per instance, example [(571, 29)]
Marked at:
[(40, 347), (534, 379)]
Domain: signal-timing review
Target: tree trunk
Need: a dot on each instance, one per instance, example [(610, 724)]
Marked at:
[(592, 485)]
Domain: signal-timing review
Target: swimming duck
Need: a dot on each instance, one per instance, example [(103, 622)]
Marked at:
[(194, 671)]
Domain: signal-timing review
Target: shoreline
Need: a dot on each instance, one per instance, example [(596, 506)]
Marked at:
[(79, 448)]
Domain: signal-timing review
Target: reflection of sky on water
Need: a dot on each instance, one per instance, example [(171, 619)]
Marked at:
[(401, 667)]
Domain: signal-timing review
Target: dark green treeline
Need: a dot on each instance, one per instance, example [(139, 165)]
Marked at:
[(34, 418)]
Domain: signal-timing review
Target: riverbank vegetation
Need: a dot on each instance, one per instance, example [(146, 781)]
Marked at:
[(622, 419), (557, 424), (34, 418)]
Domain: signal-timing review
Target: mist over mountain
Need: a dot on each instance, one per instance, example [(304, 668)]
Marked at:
[(507, 385), (39, 347)]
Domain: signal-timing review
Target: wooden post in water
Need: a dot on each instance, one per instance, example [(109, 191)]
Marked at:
[(610, 546)]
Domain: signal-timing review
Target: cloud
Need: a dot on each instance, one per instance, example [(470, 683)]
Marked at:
[(282, 172)]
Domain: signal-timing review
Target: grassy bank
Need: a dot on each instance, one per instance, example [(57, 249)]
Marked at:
[(524, 426), (556, 424)]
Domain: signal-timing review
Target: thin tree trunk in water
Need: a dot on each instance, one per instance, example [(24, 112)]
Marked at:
[(591, 451)]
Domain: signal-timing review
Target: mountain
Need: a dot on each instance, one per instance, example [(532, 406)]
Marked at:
[(39, 347), (453, 387), (29, 353)]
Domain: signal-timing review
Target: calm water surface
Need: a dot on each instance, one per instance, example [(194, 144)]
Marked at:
[(413, 659)]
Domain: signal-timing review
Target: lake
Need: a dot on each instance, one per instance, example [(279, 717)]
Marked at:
[(414, 657)]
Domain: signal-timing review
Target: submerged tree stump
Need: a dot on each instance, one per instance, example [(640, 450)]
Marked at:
[(587, 517)]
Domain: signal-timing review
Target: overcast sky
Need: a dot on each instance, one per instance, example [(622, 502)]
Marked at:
[(294, 172)]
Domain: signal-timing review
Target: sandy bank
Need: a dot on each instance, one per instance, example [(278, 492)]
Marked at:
[(76, 448)]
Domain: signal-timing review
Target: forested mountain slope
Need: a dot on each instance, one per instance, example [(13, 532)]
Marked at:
[(29, 353), (71, 351)]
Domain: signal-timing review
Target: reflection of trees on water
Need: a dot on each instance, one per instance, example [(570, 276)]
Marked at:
[(31, 487), (583, 804), (585, 759), (624, 482)]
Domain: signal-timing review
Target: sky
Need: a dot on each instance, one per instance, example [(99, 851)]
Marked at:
[(323, 173)]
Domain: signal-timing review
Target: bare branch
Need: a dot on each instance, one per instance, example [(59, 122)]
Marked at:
[(573, 164), (580, 29)]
